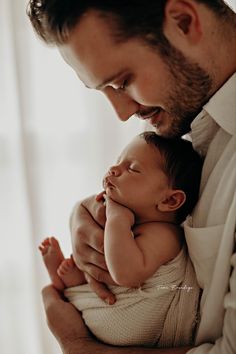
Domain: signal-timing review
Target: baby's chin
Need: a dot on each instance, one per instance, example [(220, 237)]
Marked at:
[(111, 193)]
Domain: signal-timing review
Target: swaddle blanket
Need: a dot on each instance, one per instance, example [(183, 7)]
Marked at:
[(162, 312)]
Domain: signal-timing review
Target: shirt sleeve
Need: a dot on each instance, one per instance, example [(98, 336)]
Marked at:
[(227, 343)]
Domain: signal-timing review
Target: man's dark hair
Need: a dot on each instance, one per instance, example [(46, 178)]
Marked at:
[(182, 165), (54, 19)]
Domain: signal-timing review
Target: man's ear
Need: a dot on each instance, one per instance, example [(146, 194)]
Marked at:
[(173, 201), (182, 22)]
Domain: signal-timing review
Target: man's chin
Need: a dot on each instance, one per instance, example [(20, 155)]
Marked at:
[(172, 132), (166, 133)]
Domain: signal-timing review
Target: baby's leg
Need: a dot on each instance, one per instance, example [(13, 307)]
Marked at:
[(52, 257), (70, 274)]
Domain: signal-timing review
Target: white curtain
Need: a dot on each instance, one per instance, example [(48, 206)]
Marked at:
[(56, 141)]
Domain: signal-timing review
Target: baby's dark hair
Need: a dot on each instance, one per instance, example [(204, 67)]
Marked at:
[(182, 164)]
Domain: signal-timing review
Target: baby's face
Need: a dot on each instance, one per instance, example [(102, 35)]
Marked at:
[(137, 181)]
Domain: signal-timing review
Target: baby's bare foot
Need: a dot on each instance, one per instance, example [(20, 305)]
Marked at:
[(70, 274), (52, 257)]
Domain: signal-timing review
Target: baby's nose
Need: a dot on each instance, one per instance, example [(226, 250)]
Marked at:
[(114, 171)]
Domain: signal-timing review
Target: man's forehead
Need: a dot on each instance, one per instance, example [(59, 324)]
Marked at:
[(94, 54), (93, 65)]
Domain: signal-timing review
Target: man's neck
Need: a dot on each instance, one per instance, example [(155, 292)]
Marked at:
[(224, 57), (217, 47)]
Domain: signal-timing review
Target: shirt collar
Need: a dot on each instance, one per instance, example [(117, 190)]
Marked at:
[(219, 111), (222, 106)]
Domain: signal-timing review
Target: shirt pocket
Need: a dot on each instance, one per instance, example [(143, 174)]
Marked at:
[(203, 245)]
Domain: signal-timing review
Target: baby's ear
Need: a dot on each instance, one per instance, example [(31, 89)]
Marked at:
[(173, 201)]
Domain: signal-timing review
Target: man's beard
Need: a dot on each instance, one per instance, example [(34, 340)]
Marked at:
[(190, 90)]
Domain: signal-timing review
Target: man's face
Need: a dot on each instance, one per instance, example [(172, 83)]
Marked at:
[(168, 93)]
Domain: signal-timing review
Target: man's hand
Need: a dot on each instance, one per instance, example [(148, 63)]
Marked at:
[(87, 231), (63, 319)]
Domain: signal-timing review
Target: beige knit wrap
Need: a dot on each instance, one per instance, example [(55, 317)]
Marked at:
[(161, 313)]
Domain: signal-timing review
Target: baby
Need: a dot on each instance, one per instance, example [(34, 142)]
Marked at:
[(148, 194)]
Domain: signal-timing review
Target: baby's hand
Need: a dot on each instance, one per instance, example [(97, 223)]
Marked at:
[(114, 209)]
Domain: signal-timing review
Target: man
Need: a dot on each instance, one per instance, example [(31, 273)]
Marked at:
[(168, 62)]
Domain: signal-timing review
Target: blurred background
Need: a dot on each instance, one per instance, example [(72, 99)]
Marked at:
[(56, 141)]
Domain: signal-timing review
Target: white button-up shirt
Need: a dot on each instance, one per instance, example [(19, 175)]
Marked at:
[(210, 232)]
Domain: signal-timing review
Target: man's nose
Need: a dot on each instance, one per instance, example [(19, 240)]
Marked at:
[(124, 105)]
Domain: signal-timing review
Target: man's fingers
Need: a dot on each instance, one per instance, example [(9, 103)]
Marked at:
[(101, 290), (100, 196), (97, 259), (85, 228), (95, 240), (89, 235), (99, 274), (50, 294), (90, 256), (96, 209)]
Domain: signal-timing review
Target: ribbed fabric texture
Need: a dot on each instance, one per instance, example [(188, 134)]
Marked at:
[(161, 313)]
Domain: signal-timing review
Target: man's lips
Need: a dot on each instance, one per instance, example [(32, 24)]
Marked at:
[(148, 114), (153, 117)]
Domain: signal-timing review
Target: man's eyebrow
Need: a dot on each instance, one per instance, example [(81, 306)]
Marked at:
[(108, 80)]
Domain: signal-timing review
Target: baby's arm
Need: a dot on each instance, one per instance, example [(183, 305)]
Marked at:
[(130, 260)]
